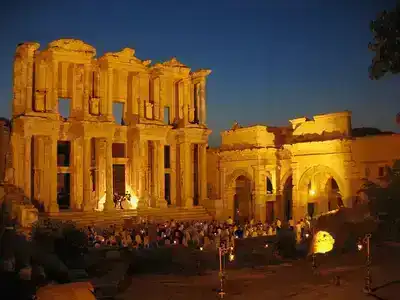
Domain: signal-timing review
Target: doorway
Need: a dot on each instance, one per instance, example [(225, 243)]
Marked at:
[(288, 199), (119, 179), (63, 190), (243, 206)]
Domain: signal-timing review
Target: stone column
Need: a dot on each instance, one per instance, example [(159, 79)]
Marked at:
[(202, 102), (174, 187), (27, 166), (109, 204), (156, 96), (179, 97), (87, 183), (54, 68), (162, 98), (110, 87), (29, 83), (88, 89), (186, 101), (38, 166), (51, 173), (203, 173), (186, 161), (50, 100), (77, 161), (101, 172), (161, 174), (259, 193), (141, 174)]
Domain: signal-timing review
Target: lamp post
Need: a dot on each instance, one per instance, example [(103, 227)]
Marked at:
[(368, 278), (222, 251)]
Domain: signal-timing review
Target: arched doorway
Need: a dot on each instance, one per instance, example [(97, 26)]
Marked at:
[(288, 199), (333, 193), (243, 206), (320, 188)]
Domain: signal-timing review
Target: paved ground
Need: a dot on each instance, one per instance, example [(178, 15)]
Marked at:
[(294, 280)]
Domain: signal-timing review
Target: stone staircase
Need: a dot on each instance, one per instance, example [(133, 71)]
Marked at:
[(119, 216)]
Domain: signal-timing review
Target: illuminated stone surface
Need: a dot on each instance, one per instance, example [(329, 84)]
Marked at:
[(302, 159), (69, 69)]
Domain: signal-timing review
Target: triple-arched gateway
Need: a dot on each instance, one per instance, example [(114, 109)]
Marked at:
[(312, 168), (317, 191)]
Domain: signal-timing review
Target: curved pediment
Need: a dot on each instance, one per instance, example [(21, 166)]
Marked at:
[(72, 45)]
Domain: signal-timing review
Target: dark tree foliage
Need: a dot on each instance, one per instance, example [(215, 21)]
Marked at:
[(385, 44), (384, 194)]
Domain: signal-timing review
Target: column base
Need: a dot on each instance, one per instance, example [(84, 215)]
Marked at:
[(161, 203), (53, 208), (143, 202), (108, 206), (189, 202)]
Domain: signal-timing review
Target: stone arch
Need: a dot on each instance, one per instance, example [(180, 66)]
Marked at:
[(314, 186), (231, 178), (284, 179)]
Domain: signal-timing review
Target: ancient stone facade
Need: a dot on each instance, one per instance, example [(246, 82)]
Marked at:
[(310, 167), (81, 160)]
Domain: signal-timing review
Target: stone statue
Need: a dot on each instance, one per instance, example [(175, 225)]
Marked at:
[(235, 126)]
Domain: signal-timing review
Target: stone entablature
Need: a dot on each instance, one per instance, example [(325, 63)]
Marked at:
[(254, 136)]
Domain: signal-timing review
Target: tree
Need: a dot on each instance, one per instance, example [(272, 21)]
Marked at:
[(386, 43), (384, 194)]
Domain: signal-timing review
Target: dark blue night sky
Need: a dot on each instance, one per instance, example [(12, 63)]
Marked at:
[(271, 60)]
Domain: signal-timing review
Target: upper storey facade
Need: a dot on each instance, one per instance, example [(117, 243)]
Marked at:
[(69, 69)]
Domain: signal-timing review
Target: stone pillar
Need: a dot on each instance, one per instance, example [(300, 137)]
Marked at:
[(135, 95), (186, 101), (77, 167), (202, 103), (161, 173), (38, 166), (141, 173), (54, 106), (50, 100), (29, 82), (203, 173), (260, 210), (88, 89), (186, 161), (259, 199), (101, 171), (174, 187), (110, 89), (87, 183), (162, 98), (156, 98), (51, 173), (27, 166), (179, 97), (109, 204)]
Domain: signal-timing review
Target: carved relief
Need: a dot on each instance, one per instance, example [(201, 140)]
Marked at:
[(149, 110), (40, 101)]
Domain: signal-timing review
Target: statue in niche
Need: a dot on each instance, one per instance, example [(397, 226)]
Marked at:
[(149, 110), (79, 75), (40, 101), (94, 106)]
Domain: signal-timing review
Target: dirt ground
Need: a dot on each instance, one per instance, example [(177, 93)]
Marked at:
[(340, 277)]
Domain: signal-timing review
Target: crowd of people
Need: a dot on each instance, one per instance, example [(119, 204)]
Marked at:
[(202, 234)]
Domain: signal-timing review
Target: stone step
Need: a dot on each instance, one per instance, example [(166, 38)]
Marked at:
[(119, 216)]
